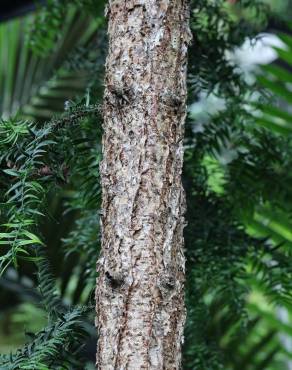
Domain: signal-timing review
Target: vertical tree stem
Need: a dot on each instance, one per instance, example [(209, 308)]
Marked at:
[(140, 289)]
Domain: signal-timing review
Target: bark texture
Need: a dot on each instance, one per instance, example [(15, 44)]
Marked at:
[(140, 289)]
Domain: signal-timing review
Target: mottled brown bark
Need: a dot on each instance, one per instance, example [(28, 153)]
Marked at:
[(140, 292)]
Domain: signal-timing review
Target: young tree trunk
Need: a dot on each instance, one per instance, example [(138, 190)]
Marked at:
[(140, 289)]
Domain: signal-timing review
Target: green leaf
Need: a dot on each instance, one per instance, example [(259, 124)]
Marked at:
[(33, 237), (13, 173), (278, 88)]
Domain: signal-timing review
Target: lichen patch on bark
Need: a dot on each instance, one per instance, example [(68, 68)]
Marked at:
[(139, 295)]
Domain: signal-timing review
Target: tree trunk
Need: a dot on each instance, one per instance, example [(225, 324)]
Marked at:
[(140, 289)]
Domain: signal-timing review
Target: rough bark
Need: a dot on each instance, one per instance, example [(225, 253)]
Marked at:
[(140, 289)]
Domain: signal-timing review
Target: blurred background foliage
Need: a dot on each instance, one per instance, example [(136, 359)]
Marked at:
[(237, 177)]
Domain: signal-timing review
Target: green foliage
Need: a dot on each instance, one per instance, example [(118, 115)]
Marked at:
[(36, 86), (30, 159), (54, 347), (239, 212), (57, 346), (217, 29), (236, 175), (46, 25), (23, 162), (39, 159)]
